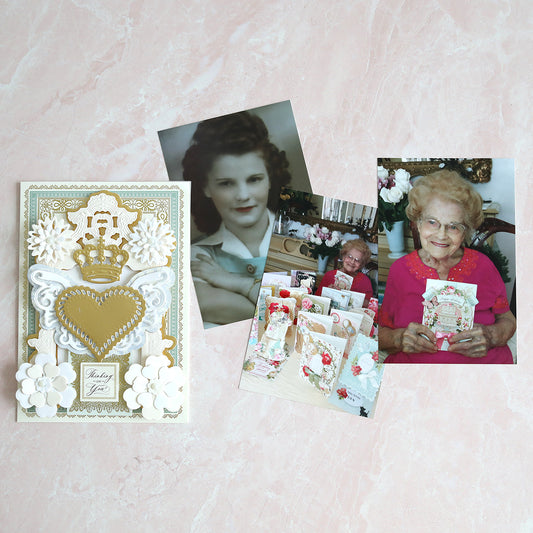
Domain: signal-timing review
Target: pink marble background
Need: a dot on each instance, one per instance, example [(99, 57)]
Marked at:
[(86, 85)]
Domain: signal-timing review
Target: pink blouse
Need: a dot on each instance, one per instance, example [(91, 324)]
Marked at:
[(402, 302)]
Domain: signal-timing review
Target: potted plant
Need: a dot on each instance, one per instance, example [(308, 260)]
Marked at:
[(393, 188), (324, 244)]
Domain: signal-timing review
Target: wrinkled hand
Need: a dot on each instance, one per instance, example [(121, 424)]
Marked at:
[(417, 338), (473, 342), (207, 269)]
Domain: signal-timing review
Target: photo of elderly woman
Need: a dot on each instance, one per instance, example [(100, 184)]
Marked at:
[(452, 234), (354, 255), (236, 172)]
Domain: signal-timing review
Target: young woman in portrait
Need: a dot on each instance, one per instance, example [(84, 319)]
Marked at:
[(236, 174)]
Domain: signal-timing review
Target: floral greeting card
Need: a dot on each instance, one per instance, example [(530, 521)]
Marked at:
[(343, 281), (339, 299), (311, 322), (321, 359), (360, 378), (347, 325), (448, 308), (103, 331)]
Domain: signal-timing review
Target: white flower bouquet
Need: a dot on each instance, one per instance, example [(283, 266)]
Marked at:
[(393, 188), (323, 242)]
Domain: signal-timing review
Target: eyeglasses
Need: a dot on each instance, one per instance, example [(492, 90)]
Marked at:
[(351, 258), (453, 229)]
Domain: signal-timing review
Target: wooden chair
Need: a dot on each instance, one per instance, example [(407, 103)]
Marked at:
[(489, 227)]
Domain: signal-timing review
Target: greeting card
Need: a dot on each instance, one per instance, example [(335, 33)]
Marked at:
[(316, 304), (260, 309), (347, 325), (304, 279), (320, 360), (103, 298), (311, 322), (342, 281), (339, 299), (357, 300), (448, 308), (271, 352), (298, 293), (275, 303), (360, 378), (278, 280)]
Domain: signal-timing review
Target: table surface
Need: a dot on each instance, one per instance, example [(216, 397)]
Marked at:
[(86, 86)]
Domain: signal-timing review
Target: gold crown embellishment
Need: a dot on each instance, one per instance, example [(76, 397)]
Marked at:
[(100, 263)]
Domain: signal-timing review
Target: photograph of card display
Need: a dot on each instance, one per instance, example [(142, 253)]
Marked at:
[(313, 337), (103, 328)]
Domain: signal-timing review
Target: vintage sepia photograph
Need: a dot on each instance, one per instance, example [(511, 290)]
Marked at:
[(237, 165)]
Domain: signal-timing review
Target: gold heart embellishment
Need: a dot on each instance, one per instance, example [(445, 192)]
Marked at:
[(100, 320)]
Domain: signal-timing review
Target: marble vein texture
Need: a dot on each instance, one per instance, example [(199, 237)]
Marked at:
[(84, 88)]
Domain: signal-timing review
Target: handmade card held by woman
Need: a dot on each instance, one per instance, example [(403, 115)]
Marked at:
[(103, 330), (448, 308)]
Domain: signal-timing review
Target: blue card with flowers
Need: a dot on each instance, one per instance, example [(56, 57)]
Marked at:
[(360, 379)]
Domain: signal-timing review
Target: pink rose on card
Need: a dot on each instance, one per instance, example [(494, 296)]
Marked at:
[(307, 304), (356, 370)]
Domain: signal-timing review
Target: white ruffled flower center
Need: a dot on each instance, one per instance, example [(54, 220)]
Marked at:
[(50, 241), (43, 384), (152, 242)]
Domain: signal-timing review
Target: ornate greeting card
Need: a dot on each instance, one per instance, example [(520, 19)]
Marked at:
[(360, 378), (320, 360), (307, 322), (357, 299), (343, 281), (269, 355), (448, 308), (103, 299)]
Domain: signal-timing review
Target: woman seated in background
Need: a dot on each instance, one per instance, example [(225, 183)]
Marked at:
[(355, 254), (446, 209), (236, 174)]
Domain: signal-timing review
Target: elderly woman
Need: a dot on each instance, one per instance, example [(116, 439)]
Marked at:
[(446, 209), (355, 254), (236, 174)]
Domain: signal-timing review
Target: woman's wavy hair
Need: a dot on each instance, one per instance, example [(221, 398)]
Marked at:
[(235, 134), (448, 185), (357, 244)]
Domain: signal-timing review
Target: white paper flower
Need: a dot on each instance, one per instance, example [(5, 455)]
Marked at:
[(45, 385), (152, 242), (154, 387), (50, 241)]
